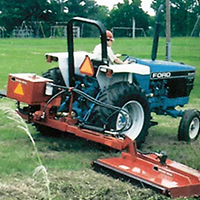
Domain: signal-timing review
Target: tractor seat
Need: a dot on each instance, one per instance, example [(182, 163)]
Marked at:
[(96, 64)]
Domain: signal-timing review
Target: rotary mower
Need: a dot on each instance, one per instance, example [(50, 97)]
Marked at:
[(112, 105)]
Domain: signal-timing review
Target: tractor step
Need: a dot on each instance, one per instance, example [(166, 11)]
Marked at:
[(170, 178)]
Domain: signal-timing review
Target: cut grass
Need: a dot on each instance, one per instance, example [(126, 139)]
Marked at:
[(68, 158)]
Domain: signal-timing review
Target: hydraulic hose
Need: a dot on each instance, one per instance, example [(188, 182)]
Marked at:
[(99, 103), (93, 100), (49, 101)]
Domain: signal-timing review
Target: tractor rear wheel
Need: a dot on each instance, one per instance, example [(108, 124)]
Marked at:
[(189, 128), (131, 99)]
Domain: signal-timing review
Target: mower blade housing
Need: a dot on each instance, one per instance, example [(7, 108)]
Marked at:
[(171, 178)]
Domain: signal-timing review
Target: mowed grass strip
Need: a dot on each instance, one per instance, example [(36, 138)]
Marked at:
[(68, 158)]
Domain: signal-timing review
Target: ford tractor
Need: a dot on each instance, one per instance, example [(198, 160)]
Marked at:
[(112, 105), (116, 99)]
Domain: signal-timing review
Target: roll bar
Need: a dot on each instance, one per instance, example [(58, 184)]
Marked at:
[(70, 43)]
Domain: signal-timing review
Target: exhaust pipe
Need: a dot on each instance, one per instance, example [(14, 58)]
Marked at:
[(156, 34)]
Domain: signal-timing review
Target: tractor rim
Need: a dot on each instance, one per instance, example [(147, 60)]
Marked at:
[(194, 128), (133, 122)]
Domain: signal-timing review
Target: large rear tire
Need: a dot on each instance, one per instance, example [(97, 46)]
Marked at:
[(130, 98)]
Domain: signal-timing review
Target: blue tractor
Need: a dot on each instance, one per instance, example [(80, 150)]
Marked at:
[(118, 100)]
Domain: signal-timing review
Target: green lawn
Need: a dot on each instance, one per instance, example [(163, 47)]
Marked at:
[(67, 158)]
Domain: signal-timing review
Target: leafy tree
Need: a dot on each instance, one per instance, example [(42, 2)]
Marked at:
[(14, 12), (183, 15), (102, 14), (58, 9), (123, 14), (81, 8), (88, 9)]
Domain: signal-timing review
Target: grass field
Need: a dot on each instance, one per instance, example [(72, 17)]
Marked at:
[(67, 158)]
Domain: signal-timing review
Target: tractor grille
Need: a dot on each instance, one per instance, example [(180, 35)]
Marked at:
[(180, 87)]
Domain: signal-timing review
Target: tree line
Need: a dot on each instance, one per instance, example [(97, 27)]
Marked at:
[(184, 14)]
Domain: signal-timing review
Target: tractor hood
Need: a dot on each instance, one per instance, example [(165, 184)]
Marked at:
[(127, 68), (166, 69)]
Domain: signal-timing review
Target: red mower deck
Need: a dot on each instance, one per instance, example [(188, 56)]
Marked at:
[(171, 178)]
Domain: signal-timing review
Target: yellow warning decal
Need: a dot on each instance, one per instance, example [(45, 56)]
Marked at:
[(19, 89), (87, 67)]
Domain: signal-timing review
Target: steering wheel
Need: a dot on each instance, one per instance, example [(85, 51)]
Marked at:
[(129, 59)]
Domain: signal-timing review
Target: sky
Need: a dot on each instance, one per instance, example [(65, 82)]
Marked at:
[(110, 3)]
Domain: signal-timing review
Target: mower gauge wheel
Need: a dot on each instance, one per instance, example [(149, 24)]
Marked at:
[(189, 128)]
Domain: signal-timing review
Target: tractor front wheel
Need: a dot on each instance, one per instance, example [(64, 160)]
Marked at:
[(189, 127)]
